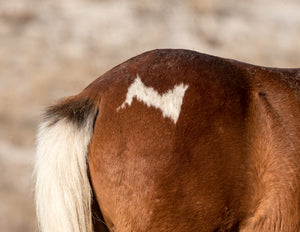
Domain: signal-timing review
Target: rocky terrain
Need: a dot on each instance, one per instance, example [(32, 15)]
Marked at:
[(50, 49)]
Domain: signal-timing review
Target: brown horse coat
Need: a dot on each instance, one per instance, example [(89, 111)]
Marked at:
[(182, 141)]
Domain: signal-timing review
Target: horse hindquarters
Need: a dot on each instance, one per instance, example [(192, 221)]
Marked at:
[(63, 192)]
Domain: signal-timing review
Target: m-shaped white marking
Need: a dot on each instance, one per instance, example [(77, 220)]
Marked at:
[(169, 103)]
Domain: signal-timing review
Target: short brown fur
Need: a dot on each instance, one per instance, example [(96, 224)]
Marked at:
[(230, 163)]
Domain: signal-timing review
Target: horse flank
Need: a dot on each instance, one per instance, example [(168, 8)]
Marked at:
[(181, 141)]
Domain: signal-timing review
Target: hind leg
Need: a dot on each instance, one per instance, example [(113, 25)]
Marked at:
[(98, 220)]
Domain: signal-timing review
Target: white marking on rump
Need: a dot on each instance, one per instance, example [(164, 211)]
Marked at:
[(63, 192), (169, 103)]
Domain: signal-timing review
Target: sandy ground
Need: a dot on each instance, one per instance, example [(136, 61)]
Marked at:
[(50, 49)]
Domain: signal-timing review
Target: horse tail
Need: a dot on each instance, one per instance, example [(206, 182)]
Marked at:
[(63, 193)]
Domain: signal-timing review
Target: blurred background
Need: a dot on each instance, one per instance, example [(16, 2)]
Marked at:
[(51, 48)]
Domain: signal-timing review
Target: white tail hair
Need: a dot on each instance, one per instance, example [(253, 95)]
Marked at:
[(63, 193)]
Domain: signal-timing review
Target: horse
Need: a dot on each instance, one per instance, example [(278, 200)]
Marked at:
[(173, 140)]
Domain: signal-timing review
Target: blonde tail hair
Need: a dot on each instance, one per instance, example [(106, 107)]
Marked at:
[(63, 192)]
